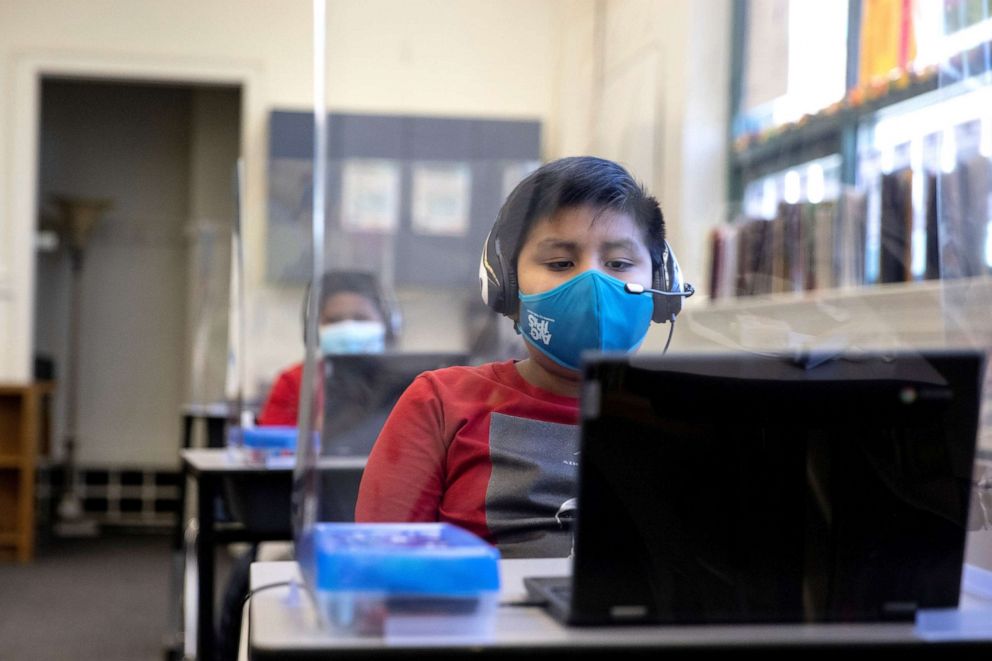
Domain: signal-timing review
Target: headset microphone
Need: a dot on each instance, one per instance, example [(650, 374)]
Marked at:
[(634, 288), (687, 291)]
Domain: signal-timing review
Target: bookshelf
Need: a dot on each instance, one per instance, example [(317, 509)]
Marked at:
[(912, 315), (21, 408), (902, 152), (832, 131)]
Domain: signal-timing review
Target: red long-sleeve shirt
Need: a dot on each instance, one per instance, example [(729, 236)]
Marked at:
[(482, 448), (283, 403)]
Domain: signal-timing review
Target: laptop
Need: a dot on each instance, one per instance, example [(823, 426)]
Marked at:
[(739, 488), (360, 391)]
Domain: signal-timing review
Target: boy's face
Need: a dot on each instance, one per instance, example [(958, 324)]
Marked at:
[(578, 239), (575, 240)]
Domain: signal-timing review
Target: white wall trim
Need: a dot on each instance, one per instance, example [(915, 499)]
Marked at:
[(29, 67)]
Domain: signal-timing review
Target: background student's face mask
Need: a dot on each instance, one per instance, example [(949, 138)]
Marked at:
[(352, 336), (589, 312)]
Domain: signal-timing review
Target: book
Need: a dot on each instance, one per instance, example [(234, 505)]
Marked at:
[(850, 237), (824, 227), (895, 258), (932, 247)]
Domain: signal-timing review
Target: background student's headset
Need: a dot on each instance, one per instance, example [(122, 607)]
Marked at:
[(364, 284), (498, 274)]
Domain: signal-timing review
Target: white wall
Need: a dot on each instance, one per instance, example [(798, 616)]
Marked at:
[(454, 57), (647, 84), (616, 78)]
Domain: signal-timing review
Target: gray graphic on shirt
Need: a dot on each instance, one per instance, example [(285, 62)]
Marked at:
[(534, 474)]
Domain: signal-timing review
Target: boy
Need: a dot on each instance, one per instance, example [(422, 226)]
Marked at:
[(493, 448), (355, 317)]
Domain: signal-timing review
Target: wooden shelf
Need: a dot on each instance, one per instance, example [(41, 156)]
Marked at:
[(929, 313), (916, 315), (20, 421), (10, 461), (878, 294)]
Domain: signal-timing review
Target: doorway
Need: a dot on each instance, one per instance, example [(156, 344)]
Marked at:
[(152, 287)]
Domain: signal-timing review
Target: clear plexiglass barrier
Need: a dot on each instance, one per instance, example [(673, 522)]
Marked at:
[(484, 222)]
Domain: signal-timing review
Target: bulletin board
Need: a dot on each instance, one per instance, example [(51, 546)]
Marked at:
[(408, 196)]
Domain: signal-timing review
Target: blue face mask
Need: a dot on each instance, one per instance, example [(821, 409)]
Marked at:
[(589, 312), (352, 336)]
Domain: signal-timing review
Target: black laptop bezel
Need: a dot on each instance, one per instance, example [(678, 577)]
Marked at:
[(601, 563)]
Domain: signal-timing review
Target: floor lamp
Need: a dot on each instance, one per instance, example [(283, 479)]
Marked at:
[(75, 221)]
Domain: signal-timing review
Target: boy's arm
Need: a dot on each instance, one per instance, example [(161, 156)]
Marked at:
[(404, 478), (282, 405)]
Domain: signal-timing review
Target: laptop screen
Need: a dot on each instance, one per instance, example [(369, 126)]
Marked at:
[(742, 488), (361, 389)]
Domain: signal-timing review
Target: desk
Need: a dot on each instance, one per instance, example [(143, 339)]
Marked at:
[(213, 418), (210, 469), (278, 628)]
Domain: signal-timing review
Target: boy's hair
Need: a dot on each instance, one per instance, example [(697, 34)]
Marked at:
[(354, 282), (362, 283), (571, 182)]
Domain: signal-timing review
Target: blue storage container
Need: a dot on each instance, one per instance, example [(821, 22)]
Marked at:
[(268, 446), (409, 579)]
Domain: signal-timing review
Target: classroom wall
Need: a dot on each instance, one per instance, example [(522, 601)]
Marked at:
[(615, 78), (467, 57), (647, 84)]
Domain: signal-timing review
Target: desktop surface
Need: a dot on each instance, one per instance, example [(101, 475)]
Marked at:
[(220, 460), (260, 496), (283, 624)]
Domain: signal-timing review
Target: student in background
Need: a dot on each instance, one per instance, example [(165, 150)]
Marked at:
[(354, 318), (493, 448)]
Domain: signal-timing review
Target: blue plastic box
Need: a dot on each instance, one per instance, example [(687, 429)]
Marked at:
[(411, 579), (264, 445)]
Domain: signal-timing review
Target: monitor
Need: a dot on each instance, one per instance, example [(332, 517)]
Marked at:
[(746, 488), (361, 389)]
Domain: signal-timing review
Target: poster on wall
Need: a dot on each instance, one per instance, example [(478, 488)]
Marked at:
[(370, 195), (404, 193), (441, 198)]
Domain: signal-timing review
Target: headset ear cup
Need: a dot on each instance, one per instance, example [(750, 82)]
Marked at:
[(669, 278), (394, 320), (659, 315), (492, 275), (673, 274), (510, 296), (389, 307)]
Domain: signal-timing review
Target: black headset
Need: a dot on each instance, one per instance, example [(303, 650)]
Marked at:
[(369, 286), (498, 275)]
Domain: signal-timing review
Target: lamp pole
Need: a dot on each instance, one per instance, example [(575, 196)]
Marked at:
[(77, 217)]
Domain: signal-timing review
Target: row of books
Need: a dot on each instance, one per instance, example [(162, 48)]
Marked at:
[(868, 236), (806, 246)]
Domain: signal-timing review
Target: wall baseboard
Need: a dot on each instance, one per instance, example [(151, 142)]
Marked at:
[(132, 496)]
